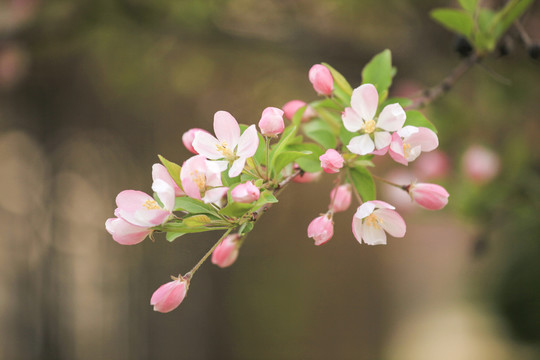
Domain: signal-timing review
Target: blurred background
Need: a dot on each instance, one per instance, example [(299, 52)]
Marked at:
[(92, 90)]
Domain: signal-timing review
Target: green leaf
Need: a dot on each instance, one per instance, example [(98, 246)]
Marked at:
[(246, 228), (171, 236), (468, 5), (454, 20), (404, 102), (339, 80), (326, 103), (320, 132), (379, 71), (236, 209), (193, 206), (416, 118), (363, 182), (311, 162), (345, 136), (197, 220), (266, 197), (286, 137), (173, 169), (287, 157), (507, 15)]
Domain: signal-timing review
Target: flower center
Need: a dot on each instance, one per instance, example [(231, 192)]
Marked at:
[(225, 150), (151, 205), (406, 150), (373, 221), (369, 126), (199, 179)]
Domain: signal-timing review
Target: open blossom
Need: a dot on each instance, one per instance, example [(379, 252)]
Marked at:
[(271, 123), (201, 179), (125, 233), (160, 172), (245, 193), (293, 106), (321, 79), (361, 116), (331, 161), (189, 136), (429, 196), (480, 164), (226, 252), (229, 144), (375, 217), (408, 142), (321, 229), (340, 198), (170, 295)]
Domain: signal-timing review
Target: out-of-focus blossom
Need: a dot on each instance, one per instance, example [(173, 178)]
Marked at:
[(480, 164), (375, 217), (331, 161), (361, 117), (245, 193), (433, 165), (340, 198), (160, 172), (228, 145), (395, 195), (271, 123), (13, 65), (321, 229), (170, 295), (293, 106), (226, 252), (429, 196), (201, 179), (189, 136), (306, 177), (321, 79)]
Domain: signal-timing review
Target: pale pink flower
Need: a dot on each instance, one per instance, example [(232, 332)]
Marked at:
[(429, 196), (229, 144), (168, 296), (226, 252), (245, 193), (160, 172), (361, 116), (271, 123), (433, 165), (340, 198), (408, 142), (189, 136), (321, 229), (125, 233), (375, 217), (321, 79), (201, 179), (480, 164), (293, 106), (331, 161)]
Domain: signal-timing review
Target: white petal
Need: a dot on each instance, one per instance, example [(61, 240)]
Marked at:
[(382, 139), (379, 204), (414, 153), (357, 228), (351, 120), (392, 118), (365, 210), (392, 222), (407, 131), (373, 235), (364, 101), (425, 138), (206, 145), (215, 195), (361, 145), (226, 128), (237, 167), (248, 143), (165, 193)]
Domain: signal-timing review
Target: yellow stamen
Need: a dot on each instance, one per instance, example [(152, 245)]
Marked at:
[(369, 126), (374, 221), (199, 179), (151, 205), (406, 150), (227, 153)]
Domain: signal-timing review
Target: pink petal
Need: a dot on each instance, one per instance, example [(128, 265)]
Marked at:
[(125, 233), (425, 138), (365, 101), (357, 228), (373, 235), (248, 143), (207, 145), (382, 139), (168, 296), (396, 150), (193, 165), (392, 222), (160, 172), (379, 204), (361, 145), (226, 128), (381, 151), (351, 120), (133, 207), (392, 118), (237, 167)]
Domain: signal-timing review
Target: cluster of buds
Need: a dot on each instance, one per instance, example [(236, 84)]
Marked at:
[(236, 174)]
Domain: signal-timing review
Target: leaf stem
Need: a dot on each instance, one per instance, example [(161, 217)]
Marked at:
[(387, 181)]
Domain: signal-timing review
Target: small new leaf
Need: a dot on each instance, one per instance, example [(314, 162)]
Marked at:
[(173, 169), (416, 118), (379, 71), (454, 20)]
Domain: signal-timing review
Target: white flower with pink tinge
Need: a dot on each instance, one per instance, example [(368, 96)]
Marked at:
[(361, 116), (201, 179), (408, 142), (375, 217), (229, 144)]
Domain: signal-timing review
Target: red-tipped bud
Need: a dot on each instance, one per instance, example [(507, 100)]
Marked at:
[(340, 198), (321, 229), (322, 79), (225, 254)]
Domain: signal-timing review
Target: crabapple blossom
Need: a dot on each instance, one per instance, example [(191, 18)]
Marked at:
[(321, 229), (433, 165), (429, 196), (408, 142), (170, 295), (373, 218), (340, 198), (160, 172), (226, 252), (201, 179), (361, 116), (229, 144), (480, 164), (331, 161), (189, 136), (293, 106), (125, 233), (322, 79), (271, 123), (245, 193)]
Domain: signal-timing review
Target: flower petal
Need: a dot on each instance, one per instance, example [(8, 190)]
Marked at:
[(361, 145), (215, 195), (248, 142), (351, 120), (382, 139), (364, 101), (207, 145), (392, 222), (357, 228), (407, 131), (425, 138), (373, 235), (379, 204), (392, 118), (396, 150), (226, 128), (125, 233), (165, 193), (140, 209), (364, 210), (236, 167)]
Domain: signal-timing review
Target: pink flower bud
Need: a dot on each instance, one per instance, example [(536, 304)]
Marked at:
[(271, 123), (245, 193), (225, 254), (293, 106), (429, 196), (188, 138), (168, 296), (321, 229), (480, 164), (322, 80), (340, 198), (331, 161)]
